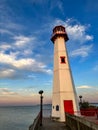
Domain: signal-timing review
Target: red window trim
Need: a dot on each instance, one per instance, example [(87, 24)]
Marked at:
[(63, 58)]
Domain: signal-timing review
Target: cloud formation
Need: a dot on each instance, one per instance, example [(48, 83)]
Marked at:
[(5, 31), (78, 37), (6, 91), (23, 64), (23, 41), (78, 33), (75, 30), (84, 87), (83, 51), (18, 57)]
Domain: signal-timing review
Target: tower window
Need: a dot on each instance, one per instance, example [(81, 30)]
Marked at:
[(62, 59), (57, 107)]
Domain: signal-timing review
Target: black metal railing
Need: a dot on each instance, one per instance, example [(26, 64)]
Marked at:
[(36, 123), (46, 112)]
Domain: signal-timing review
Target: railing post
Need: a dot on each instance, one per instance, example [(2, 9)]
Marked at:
[(97, 112)]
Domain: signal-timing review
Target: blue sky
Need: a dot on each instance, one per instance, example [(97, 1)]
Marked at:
[(26, 52)]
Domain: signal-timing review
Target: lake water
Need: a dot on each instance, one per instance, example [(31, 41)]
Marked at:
[(18, 117), (21, 117)]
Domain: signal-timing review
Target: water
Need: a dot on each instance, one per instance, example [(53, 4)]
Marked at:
[(18, 117)]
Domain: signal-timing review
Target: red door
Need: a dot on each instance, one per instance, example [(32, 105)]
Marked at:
[(68, 106)]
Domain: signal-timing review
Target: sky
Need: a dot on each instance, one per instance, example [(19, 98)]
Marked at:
[(26, 51)]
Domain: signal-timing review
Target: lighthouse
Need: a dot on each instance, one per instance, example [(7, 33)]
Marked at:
[(64, 97)]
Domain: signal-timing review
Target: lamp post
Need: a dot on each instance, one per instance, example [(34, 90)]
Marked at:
[(41, 106), (80, 103), (80, 98)]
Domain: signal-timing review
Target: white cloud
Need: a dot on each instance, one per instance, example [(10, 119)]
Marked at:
[(10, 27), (22, 45), (27, 52), (7, 73), (58, 22), (5, 46), (5, 31), (8, 59), (78, 33), (75, 30), (7, 91), (83, 51), (84, 87), (19, 56), (24, 64), (20, 51), (88, 37), (3, 89), (13, 26), (21, 41)]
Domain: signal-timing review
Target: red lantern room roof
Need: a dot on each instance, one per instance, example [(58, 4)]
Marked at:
[(59, 31)]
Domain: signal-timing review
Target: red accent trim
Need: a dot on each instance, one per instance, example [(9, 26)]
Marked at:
[(59, 31)]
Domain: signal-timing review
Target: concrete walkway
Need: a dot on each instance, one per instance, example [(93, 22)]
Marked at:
[(49, 124)]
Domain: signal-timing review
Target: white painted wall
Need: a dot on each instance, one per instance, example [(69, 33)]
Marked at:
[(63, 86)]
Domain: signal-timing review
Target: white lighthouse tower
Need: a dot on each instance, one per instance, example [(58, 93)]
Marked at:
[(64, 97)]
